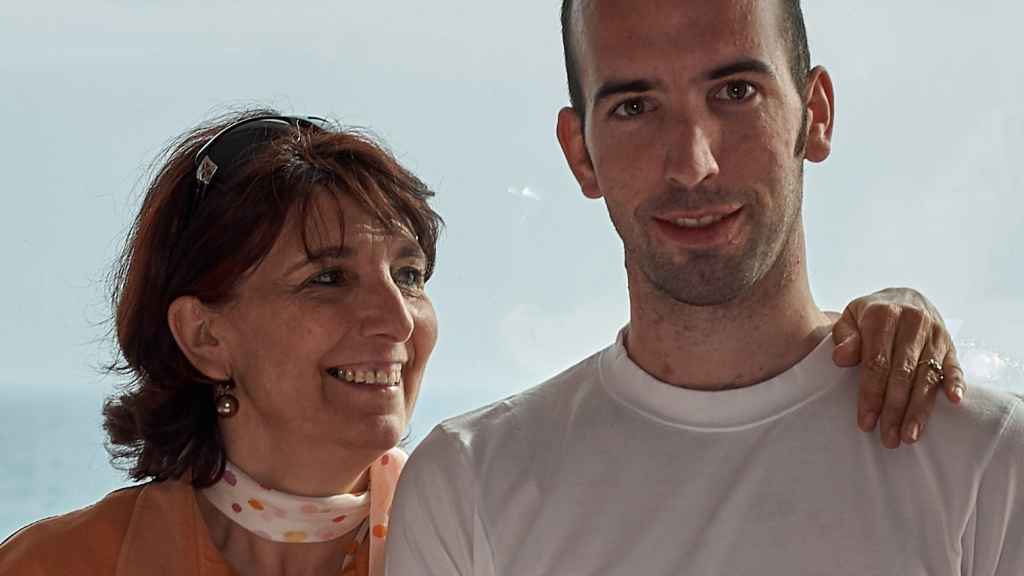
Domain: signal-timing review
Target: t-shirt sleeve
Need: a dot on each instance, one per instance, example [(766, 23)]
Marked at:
[(993, 543), (435, 527)]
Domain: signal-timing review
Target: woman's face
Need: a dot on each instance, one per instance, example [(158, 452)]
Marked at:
[(327, 348)]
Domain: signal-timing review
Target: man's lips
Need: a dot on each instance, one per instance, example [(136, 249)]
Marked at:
[(719, 210), (703, 228)]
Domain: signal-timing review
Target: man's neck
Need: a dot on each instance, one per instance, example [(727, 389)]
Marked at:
[(749, 340)]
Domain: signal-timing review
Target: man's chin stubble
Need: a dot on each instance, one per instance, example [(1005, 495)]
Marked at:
[(692, 285)]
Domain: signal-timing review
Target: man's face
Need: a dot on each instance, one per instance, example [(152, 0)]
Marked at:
[(695, 138)]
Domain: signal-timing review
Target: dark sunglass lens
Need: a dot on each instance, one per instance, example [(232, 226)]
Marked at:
[(231, 146)]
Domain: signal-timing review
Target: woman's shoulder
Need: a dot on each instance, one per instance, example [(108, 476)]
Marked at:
[(83, 541)]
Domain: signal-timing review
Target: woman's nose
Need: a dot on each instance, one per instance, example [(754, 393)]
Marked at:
[(384, 312)]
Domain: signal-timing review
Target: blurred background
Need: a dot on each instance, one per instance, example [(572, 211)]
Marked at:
[(924, 187)]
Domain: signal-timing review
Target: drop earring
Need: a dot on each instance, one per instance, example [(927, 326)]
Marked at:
[(225, 401)]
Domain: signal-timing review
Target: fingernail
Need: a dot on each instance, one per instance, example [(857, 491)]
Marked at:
[(894, 436), (868, 421), (913, 431), (958, 393)]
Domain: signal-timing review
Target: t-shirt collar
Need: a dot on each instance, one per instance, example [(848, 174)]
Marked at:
[(721, 410)]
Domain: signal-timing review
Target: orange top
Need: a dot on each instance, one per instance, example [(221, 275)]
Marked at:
[(145, 530)]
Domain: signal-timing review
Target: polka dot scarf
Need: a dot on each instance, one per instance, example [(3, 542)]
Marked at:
[(282, 517)]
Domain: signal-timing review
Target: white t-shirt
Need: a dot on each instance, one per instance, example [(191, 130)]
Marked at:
[(606, 470)]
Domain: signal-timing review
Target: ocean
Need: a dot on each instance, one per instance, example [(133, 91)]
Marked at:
[(52, 458)]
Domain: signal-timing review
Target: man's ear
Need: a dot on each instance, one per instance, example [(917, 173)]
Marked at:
[(821, 110), (574, 148), (190, 322)]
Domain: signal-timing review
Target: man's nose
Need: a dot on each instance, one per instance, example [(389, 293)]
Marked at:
[(689, 155), (384, 313)]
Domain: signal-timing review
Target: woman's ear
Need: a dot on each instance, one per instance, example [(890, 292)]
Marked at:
[(190, 322)]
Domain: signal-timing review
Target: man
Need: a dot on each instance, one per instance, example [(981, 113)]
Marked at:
[(709, 438)]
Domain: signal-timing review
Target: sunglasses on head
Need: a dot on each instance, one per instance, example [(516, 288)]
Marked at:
[(227, 147)]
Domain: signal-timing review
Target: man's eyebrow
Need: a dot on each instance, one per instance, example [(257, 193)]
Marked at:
[(613, 87), (321, 253), (746, 65)]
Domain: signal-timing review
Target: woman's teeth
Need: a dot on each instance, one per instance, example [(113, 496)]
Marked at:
[(385, 377)]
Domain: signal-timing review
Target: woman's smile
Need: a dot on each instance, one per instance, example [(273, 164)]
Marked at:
[(380, 375)]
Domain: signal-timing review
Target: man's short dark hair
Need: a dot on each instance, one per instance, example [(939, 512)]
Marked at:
[(793, 30)]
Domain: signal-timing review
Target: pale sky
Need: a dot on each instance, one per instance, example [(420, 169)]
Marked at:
[(924, 186)]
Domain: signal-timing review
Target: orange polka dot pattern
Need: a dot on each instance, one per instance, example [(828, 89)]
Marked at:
[(383, 478), (283, 517)]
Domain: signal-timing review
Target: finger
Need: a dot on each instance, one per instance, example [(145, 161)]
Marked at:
[(927, 383), (878, 328), (912, 333), (954, 382), (846, 339)]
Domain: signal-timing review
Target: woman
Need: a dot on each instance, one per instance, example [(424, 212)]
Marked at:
[(271, 312)]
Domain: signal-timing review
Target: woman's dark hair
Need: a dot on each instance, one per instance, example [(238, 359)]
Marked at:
[(162, 424)]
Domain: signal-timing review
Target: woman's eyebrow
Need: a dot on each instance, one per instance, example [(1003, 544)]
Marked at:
[(319, 254), (410, 249)]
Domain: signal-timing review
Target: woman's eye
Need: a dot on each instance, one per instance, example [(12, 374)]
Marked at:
[(410, 277), (737, 91), (327, 278), (631, 108)]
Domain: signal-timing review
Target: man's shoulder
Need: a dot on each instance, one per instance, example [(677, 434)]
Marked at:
[(534, 406), (993, 411), (996, 395), (993, 405), (991, 416), (513, 425), (83, 541)]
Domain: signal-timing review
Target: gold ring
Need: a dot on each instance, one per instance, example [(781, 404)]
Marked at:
[(934, 366)]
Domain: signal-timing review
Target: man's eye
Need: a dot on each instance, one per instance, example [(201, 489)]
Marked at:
[(410, 277), (737, 91), (630, 108)]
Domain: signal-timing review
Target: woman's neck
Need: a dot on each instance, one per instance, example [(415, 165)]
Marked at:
[(294, 465), (250, 554)]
